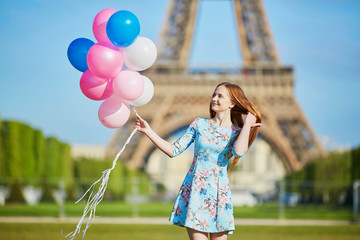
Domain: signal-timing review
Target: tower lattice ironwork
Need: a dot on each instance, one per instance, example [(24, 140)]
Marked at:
[(182, 93)]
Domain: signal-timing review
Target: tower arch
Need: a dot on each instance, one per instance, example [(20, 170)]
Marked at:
[(183, 94)]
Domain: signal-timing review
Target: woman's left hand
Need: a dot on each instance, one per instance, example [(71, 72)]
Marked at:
[(250, 120)]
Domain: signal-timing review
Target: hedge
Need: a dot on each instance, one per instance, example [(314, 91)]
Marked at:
[(325, 179)]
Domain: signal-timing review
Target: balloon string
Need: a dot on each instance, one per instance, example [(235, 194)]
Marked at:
[(94, 200), (134, 110)]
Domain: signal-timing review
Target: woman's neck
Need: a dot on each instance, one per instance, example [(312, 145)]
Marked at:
[(222, 119)]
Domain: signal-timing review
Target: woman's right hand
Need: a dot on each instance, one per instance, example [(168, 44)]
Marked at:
[(141, 125), (250, 120)]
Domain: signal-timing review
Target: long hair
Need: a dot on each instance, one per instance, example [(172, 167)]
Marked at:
[(242, 107)]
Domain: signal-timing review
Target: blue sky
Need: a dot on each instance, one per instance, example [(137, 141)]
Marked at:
[(320, 39)]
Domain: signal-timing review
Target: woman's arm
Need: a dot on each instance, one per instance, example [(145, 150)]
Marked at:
[(142, 126), (242, 143)]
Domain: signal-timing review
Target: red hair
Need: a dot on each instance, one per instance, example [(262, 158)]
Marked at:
[(242, 107)]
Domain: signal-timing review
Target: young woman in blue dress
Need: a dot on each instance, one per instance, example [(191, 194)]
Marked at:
[(204, 204)]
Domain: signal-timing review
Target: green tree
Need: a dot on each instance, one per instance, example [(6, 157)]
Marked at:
[(64, 162), (11, 150), (88, 170), (325, 179), (12, 165), (39, 155), (144, 184), (355, 164), (133, 176), (51, 171), (2, 165), (27, 156)]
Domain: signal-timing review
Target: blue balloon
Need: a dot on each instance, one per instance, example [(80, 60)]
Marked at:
[(122, 28), (77, 53)]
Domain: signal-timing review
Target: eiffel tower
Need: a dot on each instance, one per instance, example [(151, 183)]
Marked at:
[(182, 93)]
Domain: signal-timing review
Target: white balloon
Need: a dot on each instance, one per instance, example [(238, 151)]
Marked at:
[(140, 55), (147, 94)]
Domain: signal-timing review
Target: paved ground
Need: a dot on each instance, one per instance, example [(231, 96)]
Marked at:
[(143, 220)]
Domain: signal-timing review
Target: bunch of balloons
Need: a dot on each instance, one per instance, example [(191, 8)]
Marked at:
[(110, 66)]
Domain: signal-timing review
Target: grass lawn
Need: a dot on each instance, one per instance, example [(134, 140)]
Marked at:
[(16, 231), (310, 211), (157, 209)]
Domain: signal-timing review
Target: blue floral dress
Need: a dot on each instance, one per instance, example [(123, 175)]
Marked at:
[(204, 200)]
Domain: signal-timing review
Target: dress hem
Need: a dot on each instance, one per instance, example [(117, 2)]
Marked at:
[(231, 231)]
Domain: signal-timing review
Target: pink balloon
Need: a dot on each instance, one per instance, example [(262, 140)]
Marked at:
[(113, 112), (99, 24), (128, 85), (146, 96), (105, 60), (95, 88)]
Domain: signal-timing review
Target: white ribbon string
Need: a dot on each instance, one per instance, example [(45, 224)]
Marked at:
[(94, 200), (134, 110)]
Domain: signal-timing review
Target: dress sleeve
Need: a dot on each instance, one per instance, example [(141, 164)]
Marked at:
[(185, 140), (235, 154)]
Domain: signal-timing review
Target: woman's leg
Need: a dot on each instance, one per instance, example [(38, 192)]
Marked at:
[(196, 235), (218, 236)]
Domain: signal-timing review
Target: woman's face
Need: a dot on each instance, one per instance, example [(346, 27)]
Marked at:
[(220, 100)]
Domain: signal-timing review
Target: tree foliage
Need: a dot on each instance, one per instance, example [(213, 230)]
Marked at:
[(328, 178), (27, 157)]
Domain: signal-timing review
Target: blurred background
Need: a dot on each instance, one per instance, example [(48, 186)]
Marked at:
[(53, 146)]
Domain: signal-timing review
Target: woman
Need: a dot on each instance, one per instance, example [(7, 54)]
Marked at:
[(204, 204)]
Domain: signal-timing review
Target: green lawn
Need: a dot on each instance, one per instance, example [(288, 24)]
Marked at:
[(16, 231), (156, 209), (310, 211)]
